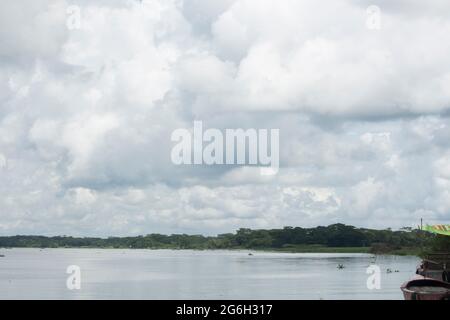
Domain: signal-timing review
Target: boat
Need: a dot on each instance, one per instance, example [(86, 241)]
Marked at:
[(422, 288), (431, 281), (435, 266)]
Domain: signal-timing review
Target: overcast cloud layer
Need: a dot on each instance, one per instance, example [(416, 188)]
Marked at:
[(86, 114)]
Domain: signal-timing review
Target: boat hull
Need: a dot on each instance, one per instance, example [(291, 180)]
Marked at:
[(421, 288)]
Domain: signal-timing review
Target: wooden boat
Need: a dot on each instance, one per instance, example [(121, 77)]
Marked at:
[(435, 266), (431, 281), (422, 288)]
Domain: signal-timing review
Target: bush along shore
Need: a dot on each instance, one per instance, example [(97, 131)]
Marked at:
[(337, 238)]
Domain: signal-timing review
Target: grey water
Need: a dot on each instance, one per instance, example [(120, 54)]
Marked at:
[(186, 274)]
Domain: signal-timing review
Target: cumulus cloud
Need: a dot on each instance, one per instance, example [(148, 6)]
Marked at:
[(86, 114)]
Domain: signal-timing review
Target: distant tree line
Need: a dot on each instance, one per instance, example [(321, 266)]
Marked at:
[(336, 236)]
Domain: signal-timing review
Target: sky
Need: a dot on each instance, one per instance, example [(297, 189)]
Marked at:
[(90, 92)]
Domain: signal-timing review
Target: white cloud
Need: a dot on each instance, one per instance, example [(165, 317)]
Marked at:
[(321, 58), (31, 30)]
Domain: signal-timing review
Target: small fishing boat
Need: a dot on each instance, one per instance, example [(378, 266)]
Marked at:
[(435, 266), (431, 281), (422, 288)]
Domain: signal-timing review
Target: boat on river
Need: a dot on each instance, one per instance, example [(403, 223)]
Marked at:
[(426, 289), (431, 281)]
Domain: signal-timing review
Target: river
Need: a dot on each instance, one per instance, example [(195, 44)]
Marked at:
[(186, 274)]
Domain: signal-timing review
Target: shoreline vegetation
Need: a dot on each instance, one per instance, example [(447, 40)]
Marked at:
[(336, 238)]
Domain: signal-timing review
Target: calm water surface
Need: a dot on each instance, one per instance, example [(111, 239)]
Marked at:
[(172, 274)]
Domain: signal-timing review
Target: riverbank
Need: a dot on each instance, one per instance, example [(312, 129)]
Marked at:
[(287, 249), (336, 238)]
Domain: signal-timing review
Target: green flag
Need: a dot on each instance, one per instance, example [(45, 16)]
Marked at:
[(439, 229)]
